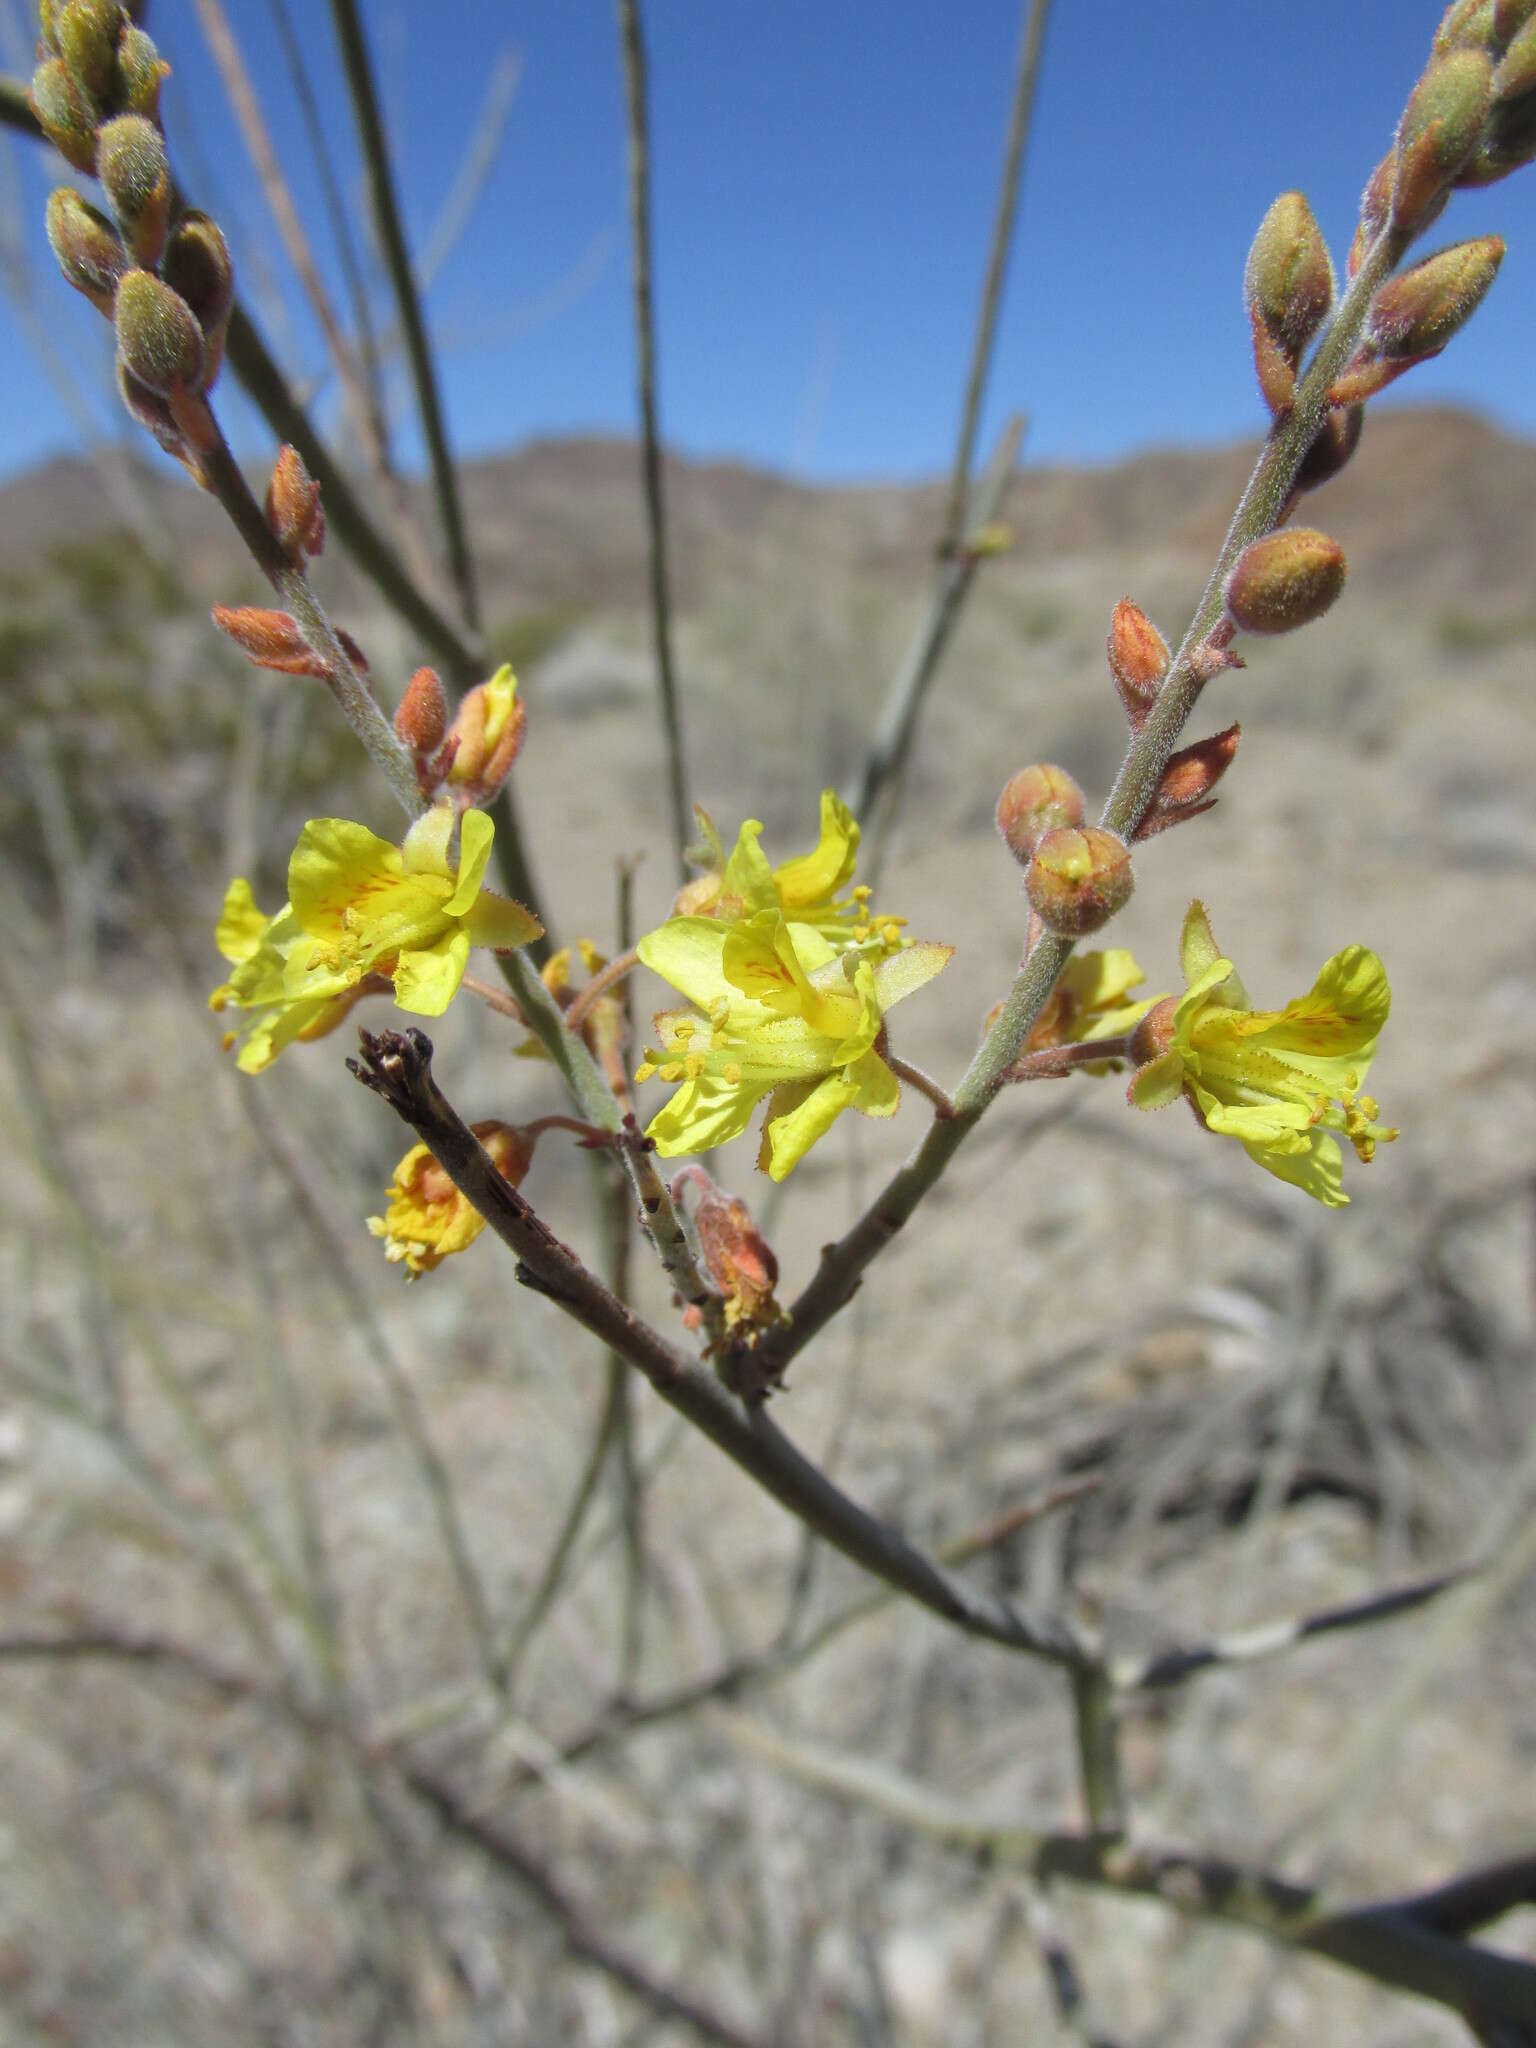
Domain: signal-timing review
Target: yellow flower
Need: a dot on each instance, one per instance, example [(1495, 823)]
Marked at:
[(361, 913), (1279, 1081), (809, 889), (1089, 1002), (428, 1220), (779, 1014)]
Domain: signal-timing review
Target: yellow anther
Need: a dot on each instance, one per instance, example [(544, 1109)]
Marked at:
[(862, 894), (645, 1070), (228, 1040), (731, 1073), (719, 1012), (672, 1071), (694, 1065), (556, 971)]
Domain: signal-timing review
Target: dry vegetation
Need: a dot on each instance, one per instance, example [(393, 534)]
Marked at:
[(1282, 1408)]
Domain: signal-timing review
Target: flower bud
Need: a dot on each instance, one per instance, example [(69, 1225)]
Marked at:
[(422, 718), (47, 28), (132, 166), (196, 265), (1509, 18), (1516, 75), (1441, 127), (1080, 876), (157, 337), (1288, 285), (1034, 802), (293, 507), (149, 409), (487, 734), (511, 1148), (1466, 24), (1337, 439), (1286, 580), (1416, 314), (64, 114), (1138, 662), (1509, 142), (1375, 209), (87, 33), (271, 639), (87, 247), (1188, 780), (140, 72), (740, 1264)]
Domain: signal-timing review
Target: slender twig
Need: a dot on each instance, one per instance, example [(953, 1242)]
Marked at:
[(386, 214), (650, 443), (494, 998), (398, 1067), (891, 743), (458, 208), (925, 1084), (1172, 1666), (626, 1470), (1031, 41), (1385, 1942), (1098, 1752), (581, 1004), (1262, 505)]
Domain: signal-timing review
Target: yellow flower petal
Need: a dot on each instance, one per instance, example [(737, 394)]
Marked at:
[(426, 981), (241, 927), (814, 878), (475, 835)]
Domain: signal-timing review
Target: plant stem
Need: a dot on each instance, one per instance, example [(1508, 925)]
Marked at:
[(650, 449), (386, 214), (580, 1006)]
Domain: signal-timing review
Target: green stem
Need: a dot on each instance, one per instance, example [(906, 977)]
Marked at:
[(386, 214), (650, 451)]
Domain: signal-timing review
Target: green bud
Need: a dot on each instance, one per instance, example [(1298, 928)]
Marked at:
[(87, 32), (1286, 580), (1416, 314), (1509, 17), (159, 341), (1516, 75), (87, 247), (47, 25), (1288, 284), (140, 70), (133, 169), (148, 408), (65, 114), (1468, 24), (1079, 877), (196, 265), (1441, 127)]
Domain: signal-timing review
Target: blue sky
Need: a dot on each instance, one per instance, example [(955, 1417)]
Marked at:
[(824, 181)]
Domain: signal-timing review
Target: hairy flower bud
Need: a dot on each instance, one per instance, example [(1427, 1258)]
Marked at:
[(1441, 127), (487, 735), (132, 166), (1034, 802), (157, 337), (293, 507), (87, 33), (196, 265), (271, 639), (1188, 780), (1466, 24), (1516, 75), (1286, 580), (1337, 439), (1288, 286), (1508, 144), (422, 718), (140, 72), (1154, 1034), (1079, 877), (1416, 314), (1138, 662), (87, 247), (740, 1263), (65, 114)]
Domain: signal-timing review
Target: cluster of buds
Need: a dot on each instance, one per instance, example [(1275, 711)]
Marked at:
[(467, 759), (167, 286)]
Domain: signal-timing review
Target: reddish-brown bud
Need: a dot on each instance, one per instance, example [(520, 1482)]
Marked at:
[(1509, 142), (1188, 781), (1337, 439), (487, 735), (293, 507), (1034, 802), (1288, 285), (739, 1262), (1138, 662), (1416, 314), (196, 265), (131, 164), (271, 639), (1440, 129), (158, 340), (1284, 581), (422, 718), (510, 1147), (1080, 876), (87, 246), (64, 113), (1365, 374)]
